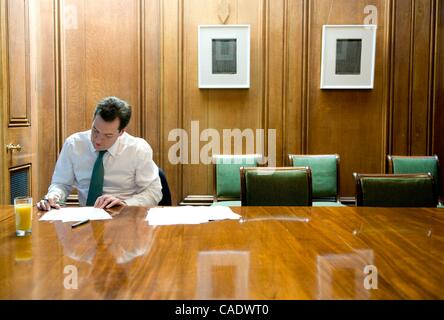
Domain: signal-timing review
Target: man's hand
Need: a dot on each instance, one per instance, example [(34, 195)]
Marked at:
[(107, 201), (49, 202)]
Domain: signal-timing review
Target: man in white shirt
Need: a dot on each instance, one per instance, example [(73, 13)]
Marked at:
[(129, 175)]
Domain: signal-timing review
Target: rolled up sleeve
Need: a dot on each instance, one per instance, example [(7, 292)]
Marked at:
[(149, 187), (63, 177)]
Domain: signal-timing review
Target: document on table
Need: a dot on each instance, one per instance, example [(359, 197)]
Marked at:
[(188, 215), (76, 214)]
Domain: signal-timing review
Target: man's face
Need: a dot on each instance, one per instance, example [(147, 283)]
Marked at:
[(104, 134)]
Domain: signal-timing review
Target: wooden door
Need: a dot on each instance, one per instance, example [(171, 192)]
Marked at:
[(18, 147)]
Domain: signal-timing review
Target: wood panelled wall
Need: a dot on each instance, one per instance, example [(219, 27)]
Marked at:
[(438, 129), (145, 51)]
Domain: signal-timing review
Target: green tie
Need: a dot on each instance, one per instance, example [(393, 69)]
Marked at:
[(96, 184)]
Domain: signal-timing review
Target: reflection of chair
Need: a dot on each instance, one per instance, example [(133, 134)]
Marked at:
[(226, 187), (415, 164), (395, 190), (223, 274), (166, 194), (350, 285), (287, 186), (325, 175)]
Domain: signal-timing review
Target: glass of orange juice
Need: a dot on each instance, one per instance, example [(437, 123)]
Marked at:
[(23, 215)]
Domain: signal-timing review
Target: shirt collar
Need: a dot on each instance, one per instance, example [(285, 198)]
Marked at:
[(115, 147)]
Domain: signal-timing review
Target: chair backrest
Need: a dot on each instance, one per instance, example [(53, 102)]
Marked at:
[(415, 164), (395, 190), (268, 186), (325, 173), (166, 194), (226, 184)]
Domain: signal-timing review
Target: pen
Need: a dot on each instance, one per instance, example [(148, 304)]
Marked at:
[(79, 223)]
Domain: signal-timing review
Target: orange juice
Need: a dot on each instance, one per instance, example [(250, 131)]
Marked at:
[(23, 217), (23, 249)]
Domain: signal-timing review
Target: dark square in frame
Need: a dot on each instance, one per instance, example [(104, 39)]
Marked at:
[(348, 56), (224, 56)]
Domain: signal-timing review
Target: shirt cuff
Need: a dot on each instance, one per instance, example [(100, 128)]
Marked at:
[(55, 193), (131, 202)]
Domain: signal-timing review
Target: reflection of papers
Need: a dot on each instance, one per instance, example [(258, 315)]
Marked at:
[(76, 214), (188, 215)]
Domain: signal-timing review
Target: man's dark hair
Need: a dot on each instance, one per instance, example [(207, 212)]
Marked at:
[(111, 108)]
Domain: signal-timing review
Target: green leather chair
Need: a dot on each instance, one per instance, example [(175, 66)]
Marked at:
[(226, 186), (268, 186), (395, 190), (415, 164), (325, 175)]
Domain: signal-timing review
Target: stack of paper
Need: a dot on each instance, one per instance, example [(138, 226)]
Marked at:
[(188, 215), (76, 214)]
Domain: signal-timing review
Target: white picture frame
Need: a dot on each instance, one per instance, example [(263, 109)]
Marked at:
[(224, 56), (356, 44)]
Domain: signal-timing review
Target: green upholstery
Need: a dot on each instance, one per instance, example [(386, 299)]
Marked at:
[(227, 173), (279, 188), (398, 192), (324, 174), (416, 165), (227, 203)]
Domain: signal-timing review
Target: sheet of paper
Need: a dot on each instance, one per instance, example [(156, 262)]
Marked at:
[(76, 214), (188, 215)]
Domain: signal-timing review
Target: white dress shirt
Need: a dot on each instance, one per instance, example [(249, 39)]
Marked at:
[(130, 172)]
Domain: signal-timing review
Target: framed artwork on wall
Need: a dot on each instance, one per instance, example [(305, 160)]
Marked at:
[(348, 56), (224, 56)]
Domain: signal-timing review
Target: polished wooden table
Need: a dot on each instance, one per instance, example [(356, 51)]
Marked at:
[(271, 253)]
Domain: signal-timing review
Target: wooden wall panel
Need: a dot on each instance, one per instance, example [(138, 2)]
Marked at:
[(171, 88), (402, 85), (145, 51), (438, 142), (412, 86), (151, 85), (18, 24), (348, 122), (413, 104), (75, 114), (421, 92), (294, 77), (44, 90), (100, 54), (275, 73), (218, 109), (17, 107), (3, 80)]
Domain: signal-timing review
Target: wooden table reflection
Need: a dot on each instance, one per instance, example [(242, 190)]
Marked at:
[(271, 253)]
